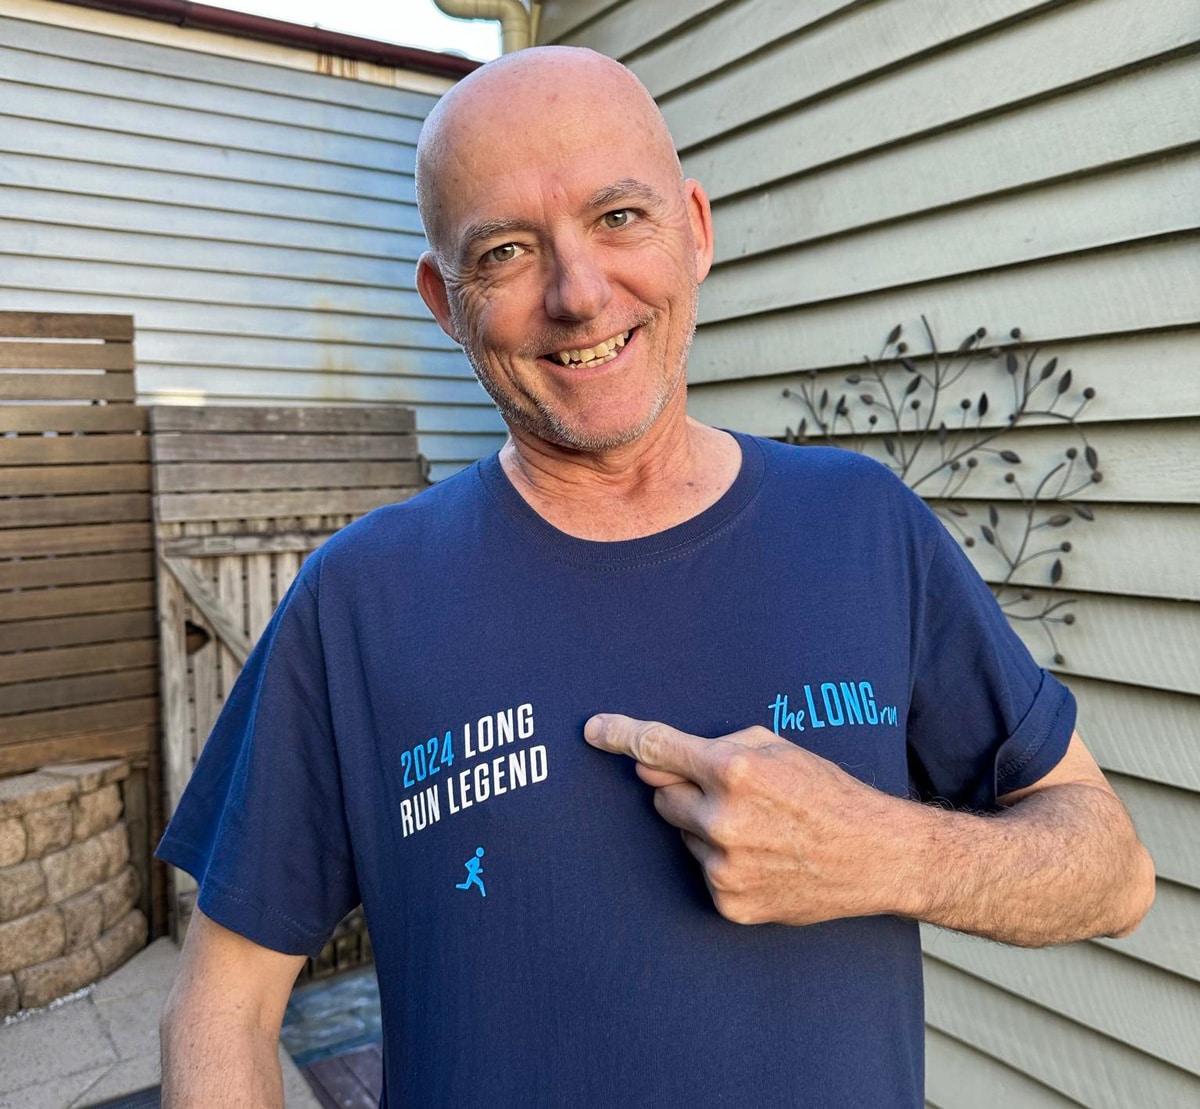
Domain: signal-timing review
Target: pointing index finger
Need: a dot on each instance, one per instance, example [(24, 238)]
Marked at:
[(651, 743)]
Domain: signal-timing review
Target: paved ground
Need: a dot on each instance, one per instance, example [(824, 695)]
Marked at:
[(330, 1016), (103, 1044)]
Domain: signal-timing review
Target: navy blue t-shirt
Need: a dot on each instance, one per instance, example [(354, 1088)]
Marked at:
[(409, 732)]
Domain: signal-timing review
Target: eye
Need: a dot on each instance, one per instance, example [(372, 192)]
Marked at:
[(620, 218), (505, 252)]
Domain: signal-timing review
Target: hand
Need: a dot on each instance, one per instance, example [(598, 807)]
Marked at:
[(782, 834)]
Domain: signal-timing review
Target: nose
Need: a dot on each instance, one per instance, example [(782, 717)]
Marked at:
[(577, 288)]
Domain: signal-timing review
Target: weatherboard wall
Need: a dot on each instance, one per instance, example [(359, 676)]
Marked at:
[(255, 216), (1000, 163)]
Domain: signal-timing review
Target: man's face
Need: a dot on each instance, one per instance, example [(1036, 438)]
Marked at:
[(570, 257)]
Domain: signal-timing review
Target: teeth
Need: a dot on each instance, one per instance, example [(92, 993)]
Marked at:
[(604, 351)]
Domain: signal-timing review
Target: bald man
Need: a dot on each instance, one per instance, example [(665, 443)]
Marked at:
[(626, 736)]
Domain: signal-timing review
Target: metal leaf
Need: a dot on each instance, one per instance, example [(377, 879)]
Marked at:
[(853, 379), (988, 534), (942, 433), (1064, 383), (957, 510), (912, 386), (1083, 511), (983, 404), (1059, 520), (1093, 459), (824, 398), (1010, 362), (894, 334), (889, 445), (993, 515), (1049, 368), (909, 365), (1056, 572), (1010, 456)]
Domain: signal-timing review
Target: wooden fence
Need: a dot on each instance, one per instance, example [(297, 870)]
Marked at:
[(241, 496), (78, 675), (78, 651)]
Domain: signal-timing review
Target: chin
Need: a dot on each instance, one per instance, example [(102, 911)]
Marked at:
[(594, 436)]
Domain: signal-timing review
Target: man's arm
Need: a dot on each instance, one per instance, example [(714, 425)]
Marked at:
[(786, 836), (220, 1027)]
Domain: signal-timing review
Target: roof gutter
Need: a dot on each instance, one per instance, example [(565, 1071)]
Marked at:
[(204, 17), (518, 24)]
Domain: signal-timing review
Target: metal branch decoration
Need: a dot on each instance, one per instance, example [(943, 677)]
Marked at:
[(936, 442)]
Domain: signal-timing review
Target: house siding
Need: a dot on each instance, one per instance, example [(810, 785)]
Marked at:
[(257, 220), (1001, 163)]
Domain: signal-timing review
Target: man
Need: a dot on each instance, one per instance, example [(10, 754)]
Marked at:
[(821, 658)]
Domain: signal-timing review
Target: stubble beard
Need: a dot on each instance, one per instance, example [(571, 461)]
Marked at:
[(543, 422)]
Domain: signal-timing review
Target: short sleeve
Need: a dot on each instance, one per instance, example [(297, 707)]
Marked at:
[(261, 825), (984, 719)]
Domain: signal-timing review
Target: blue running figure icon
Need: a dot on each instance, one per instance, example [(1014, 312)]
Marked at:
[(474, 870)]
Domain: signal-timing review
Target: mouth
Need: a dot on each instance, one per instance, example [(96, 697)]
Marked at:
[(581, 357)]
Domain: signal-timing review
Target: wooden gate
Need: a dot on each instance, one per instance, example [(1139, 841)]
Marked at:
[(241, 497)]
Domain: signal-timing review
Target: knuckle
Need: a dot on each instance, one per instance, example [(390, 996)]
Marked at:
[(720, 829), (734, 909), (651, 740), (738, 769)]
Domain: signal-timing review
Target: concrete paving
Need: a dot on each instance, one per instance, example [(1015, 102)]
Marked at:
[(102, 1043)]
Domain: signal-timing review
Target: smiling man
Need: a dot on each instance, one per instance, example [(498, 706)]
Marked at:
[(833, 732)]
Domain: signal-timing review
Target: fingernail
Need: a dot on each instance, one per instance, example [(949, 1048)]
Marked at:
[(593, 729)]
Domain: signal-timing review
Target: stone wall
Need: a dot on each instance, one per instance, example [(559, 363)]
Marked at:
[(67, 889)]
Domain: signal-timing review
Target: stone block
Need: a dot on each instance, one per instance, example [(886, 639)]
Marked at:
[(124, 939), (90, 775), (31, 939), (96, 811), (76, 868), (83, 918), (41, 984), (118, 895), (47, 829), (115, 842), (12, 841), (10, 999), (27, 792), (22, 889)]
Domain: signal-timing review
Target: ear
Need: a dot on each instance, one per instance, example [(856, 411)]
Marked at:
[(700, 218), (432, 287)]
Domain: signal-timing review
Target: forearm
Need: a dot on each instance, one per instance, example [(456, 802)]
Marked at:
[(220, 1027), (1061, 864), (209, 1062)]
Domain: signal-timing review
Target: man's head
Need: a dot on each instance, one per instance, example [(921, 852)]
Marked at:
[(561, 225)]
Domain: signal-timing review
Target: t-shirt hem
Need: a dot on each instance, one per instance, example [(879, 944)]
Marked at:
[(239, 910), (1039, 742)]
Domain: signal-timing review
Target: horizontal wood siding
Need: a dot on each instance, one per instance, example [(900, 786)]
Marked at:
[(258, 222), (1006, 163)]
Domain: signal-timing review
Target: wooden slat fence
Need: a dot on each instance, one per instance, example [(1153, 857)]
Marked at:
[(78, 658), (241, 497)]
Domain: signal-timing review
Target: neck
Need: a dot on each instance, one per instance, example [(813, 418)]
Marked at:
[(665, 477)]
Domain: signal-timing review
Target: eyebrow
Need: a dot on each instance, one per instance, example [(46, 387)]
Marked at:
[(628, 188), (477, 233)]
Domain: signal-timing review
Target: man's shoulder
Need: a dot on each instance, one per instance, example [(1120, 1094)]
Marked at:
[(425, 522), (833, 465)]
